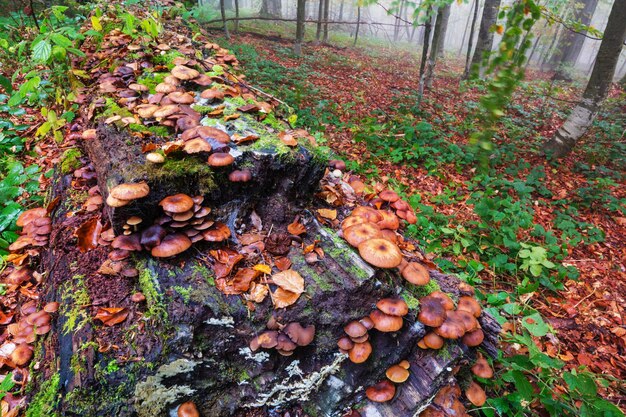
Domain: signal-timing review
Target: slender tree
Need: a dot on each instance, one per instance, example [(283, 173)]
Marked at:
[(571, 42), (223, 12), (271, 8), (300, 18), (435, 44), (320, 18), (598, 86), (341, 10), (467, 23), (471, 42), (358, 25), (236, 16), (424, 59), (485, 36), (326, 15), (444, 29)]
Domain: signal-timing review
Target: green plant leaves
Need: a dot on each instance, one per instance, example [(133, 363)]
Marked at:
[(535, 325), (42, 50)]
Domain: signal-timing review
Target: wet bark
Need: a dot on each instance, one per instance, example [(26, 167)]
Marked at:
[(301, 11), (485, 36), (436, 44)]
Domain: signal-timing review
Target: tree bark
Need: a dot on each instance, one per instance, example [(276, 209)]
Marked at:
[(598, 86), (444, 29), (435, 45), (271, 8), (320, 18), (467, 24), (485, 37), (326, 14), (424, 59), (236, 16), (223, 12), (341, 10), (300, 26), (571, 42), (471, 42), (358, 25)]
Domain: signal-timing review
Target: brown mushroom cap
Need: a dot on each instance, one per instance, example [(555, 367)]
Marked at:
[(475, 394), (470, 304), (337, 164), (367, 322), (371, 214), (446, 301), (360, 352), (393, 306), (389, 196), (302, 336), (359, 233), (433, 340), (386, 323), (127, 242), (184, 73), (416, 273), (171, 245), (389, 221), (381, 253), (345, 343), (243, 175), (469, 321), (22, 354), (221, 159), (355, 329), (30, 215), (19, 276), (397, 374), (197, 145), (132, 191), (152, 236), (266, 340), (431, 312), (164, 88), (473, 338), (352, 221), (217, 233), (284, 343), (177, 203), (180, 97), (451, 329), (208, 132), (187, 409), (381, 392), (482, 369)]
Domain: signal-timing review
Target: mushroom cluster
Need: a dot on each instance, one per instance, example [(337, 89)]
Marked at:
[(187, 409), (446, 403), (284, 338), (387, 317), (36, 227), (385, 390), (437, 311)]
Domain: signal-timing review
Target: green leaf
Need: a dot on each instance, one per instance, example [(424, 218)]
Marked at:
[(524, 388), (42, 51), (535, 325), (536, 270), (61, 40), (95, 22)]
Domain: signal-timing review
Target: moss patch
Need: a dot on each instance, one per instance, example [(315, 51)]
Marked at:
[(167, 58), (75, 296), (152, 79), (111, 108), (70, 160), (46, 400), (149, 284)]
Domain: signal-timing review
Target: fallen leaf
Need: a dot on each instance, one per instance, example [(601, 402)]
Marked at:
[(289, 280), (111, 316), (330, 214), (266, 269), (257, 292), (88, 233), (283, 298), (283, 263), (296, 228)]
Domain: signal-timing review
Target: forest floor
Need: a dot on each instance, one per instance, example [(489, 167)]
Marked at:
[(363, 99)]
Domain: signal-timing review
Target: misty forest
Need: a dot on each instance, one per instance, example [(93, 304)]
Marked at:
[(313, 208)]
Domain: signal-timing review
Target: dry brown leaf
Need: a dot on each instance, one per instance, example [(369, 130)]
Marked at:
[(330, 214), (283, 298), (87, 234), (111, 316), (289, 280), (283, 263), (257, 292), (287, 139), (296, 228)]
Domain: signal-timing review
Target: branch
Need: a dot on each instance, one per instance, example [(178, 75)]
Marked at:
[(280, 19), (398, 17), (571, 29)]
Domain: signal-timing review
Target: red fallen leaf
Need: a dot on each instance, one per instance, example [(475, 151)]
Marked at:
[(240, 283), (296, 228), (88, 233), (248, 108), (52, 205), (283, 263), (225, 260), (111, 316), (149, 147), (6, 318)]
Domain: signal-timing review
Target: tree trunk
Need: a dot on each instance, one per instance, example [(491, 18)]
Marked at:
[(341, 10), (571, 43), (236, 16), (467, 23), (271, 8), (597, 88), (549, 55), (320, 18), (444, 29), (435, 44), (326, 14), (358, 25), (223, 12), (397, 22), (485, 37), (471, 42), (300, 26), (424, 59)]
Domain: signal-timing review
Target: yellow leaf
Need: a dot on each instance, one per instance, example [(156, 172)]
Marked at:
[(289, 280), (266, 269), (330, 214), (283, 298), (95, 22)]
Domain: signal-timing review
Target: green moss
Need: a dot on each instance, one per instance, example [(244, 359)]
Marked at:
[(149, 284), (174, 169), (160, 131), (272, 121), (204, 272), (70, 160), (420, 291), (270, 143), (46, 400), (185, 293), (167, 58), (339, 251), (152, 79), (75, 296), (411, 301), (203, 109), (111, 108), (244, 376)]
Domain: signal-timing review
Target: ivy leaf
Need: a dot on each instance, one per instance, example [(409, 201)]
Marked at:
[(42, 51)]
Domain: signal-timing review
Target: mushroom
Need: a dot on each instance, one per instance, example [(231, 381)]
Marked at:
[(359, 233), (397, 374), (337, 164), (355, 329), (352, 221), (218, 233), (381, 392), (475, 394), (19, 276), (180, 97), (285, 344), (164, 88), (137, 297), (431, 312), (360, 352), (482, 369), (187, 409), (208, 132), (372, 215), (345, 344), (389, 221), (470, 304), (469, 321), (433, 341), (389, 196), (177, 203), (416, 273), (171, 245), (197, 145), (473, 338), (393, 307), (22, 354), (243, 175), (302, 336), (367, 322), (450, 329), (127, 242), (220, 159), (184, 73), (385, 322), (381, 253), (30, 215), (266, 340), (152, 236), (446, 301), (131, 191)]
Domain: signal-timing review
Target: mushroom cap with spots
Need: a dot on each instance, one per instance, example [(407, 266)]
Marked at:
[(177, 203), (431, 312), (171, 245), (131, 191), (381, 253), (393, 306), (382, 392), (359, 233), (385, 322), (416, 273)]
